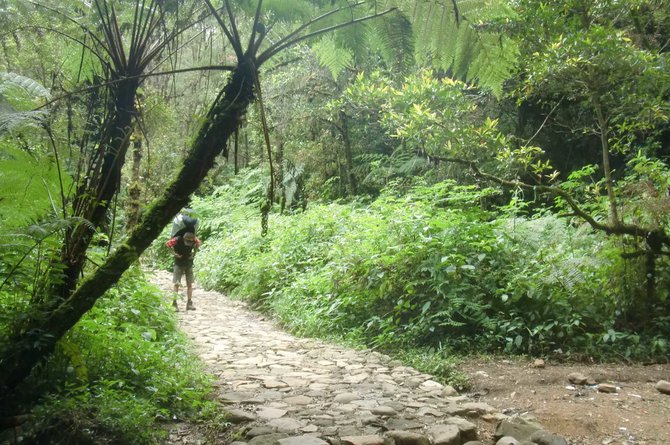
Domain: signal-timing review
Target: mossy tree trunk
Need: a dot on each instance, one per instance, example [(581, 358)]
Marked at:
[(39, 336), (135, 188)]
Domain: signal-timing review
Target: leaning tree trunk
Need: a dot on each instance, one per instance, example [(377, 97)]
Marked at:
[(37, 341), (135, 189), (94, 199)]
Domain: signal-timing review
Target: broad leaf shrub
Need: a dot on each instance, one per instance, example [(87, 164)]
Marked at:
[(119, 373), (429, 268)]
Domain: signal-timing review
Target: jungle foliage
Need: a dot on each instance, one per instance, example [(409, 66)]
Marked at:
[(426, 267), (408, 175)]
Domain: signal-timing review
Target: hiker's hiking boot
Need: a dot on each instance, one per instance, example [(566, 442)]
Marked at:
[(189, 306), (175, 305)]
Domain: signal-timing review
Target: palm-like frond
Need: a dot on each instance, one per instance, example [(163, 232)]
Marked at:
[(11, 120), (333, 56), (457, 37), (18, 95), (293, 182), (392, 36), (32, 88), (26, 183)]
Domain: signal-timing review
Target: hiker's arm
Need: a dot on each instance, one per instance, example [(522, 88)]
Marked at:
[(170, 245)]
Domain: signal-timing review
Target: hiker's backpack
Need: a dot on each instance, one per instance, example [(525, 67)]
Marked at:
[(182, 224)]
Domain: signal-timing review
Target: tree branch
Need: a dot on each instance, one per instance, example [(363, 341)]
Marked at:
[(290, 40), (617, 229)]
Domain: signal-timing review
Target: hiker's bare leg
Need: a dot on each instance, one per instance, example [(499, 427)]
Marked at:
[(176, 279), (189, 289)]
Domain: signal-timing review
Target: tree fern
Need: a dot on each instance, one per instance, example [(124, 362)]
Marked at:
[(26, 184), (458, 37), (29, 86), (293, 184), (392, 36), (333, 56), (19, 95)]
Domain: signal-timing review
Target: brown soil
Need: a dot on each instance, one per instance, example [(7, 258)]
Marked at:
[(637, 414)]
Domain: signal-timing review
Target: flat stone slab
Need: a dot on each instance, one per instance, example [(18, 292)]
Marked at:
[(302, 440), (267, 413)]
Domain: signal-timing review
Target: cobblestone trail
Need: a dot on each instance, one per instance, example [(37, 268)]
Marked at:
[(292, 391)]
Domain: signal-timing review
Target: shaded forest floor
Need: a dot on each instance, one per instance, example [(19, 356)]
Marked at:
[(636, 414)]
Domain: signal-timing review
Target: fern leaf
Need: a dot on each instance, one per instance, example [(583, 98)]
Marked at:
[(25, 185), (10, 120), (28, 85), (392, 36), (332, 56), (453, 36)]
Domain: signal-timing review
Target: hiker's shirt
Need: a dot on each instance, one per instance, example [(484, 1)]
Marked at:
[(180, 248)]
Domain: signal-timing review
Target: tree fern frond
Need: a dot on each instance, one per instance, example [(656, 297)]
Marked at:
[(293, 176), (33, 88), (10, 120), (395, 41), (23, 180), (17, 96), (454, 37), (485, 72), (333, 56), (353, 37), (413, 165), (289, 11)]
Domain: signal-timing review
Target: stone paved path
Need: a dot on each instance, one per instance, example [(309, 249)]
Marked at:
[(292, 391)]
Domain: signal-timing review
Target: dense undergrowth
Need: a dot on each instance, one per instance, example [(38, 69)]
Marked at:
[(118, 376), (431, 268)]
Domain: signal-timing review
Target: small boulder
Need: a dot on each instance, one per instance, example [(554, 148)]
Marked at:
[(663, 387), (407, 438), (239, 416), (384, 411), (577, 378), (346, 397), (468, 429), (302, 440), (519, 427), (267, 439), (449, 391), (445, 435), (607, 388), (539, 364), (546, 438), (507, 440), (258, 431), (362, 440)]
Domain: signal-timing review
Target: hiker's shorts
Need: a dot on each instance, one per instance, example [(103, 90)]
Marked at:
[(182, 270)]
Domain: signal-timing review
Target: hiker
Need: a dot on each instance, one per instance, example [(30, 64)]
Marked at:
[(185, 221), (183, 247)]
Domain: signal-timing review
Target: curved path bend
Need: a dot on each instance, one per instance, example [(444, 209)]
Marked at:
[(284, 390)]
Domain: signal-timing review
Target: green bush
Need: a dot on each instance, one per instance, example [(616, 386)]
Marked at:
[(428, 267), (120, 372)]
